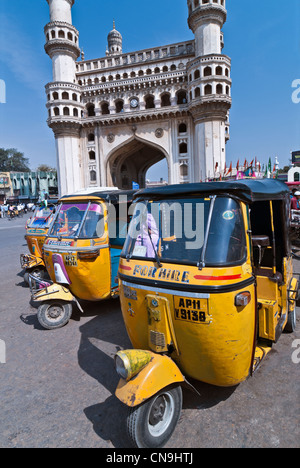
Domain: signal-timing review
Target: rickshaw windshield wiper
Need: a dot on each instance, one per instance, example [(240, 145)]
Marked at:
[(201, 263)]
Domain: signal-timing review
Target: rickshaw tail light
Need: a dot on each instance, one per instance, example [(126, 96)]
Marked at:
[(242, 299), (130, 363)]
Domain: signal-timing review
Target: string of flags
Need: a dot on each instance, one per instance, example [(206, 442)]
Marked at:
[(252, 170)]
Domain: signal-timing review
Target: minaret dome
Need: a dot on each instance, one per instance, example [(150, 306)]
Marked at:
[(114, 40)]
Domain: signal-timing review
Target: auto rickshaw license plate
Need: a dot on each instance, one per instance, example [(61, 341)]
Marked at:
[(71, 260), (191, 310)]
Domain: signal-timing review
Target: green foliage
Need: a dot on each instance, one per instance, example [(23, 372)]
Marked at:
[(12, 160)]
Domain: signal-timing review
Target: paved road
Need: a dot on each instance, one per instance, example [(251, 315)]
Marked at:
[(57, 387)]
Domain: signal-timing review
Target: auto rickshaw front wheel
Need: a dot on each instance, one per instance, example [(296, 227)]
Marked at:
[(54, 314), (38, 273), (151, 424)]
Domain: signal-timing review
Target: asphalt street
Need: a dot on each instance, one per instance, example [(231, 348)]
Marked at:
[(57, 387)]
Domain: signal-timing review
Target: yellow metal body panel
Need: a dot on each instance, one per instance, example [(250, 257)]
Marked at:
[(158, 374), (90, 278), (214, 339), (53, 292)]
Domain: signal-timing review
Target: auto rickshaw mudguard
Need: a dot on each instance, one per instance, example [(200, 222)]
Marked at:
[(53, 292), (29, 261), (160, 372)]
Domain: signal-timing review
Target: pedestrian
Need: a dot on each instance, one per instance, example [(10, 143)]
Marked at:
[(295, 201)]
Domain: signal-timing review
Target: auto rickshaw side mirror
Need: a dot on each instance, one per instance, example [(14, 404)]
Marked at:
[(261, 242)]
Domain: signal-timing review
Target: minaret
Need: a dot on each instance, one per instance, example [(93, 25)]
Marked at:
[(64, 103), (115, 41), (209, 87)]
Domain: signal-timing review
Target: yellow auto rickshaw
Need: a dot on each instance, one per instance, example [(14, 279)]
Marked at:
[(36, 230), (206, 289), (81, 252)]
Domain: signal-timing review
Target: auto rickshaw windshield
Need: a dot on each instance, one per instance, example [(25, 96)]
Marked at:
[(42, 217), (194, 231), (84, 220)]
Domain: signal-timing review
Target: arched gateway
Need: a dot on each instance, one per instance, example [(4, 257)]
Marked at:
[(115, 116), (130, 162)]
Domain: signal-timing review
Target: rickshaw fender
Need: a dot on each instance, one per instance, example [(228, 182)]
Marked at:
[(159, 373), (54, 292)]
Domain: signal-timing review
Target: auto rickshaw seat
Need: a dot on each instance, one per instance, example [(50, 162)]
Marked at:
[(260, 241)]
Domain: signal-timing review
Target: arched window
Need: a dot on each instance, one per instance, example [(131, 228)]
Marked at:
[(181, 97), (74, 97), (93, 176), (92, 155), (165, 100), (75, 112), (65, 95), (219, 71), (104, 108), (66, 111), (149, 102), (208, 90), (119, 106), (297, 177), (91, 137), (197, 74), (61, 34), (184, 170), (182, 128), (183, 148), (90, 110), (56, 111), (197, 92), (55, 96), (207, 71), (219, 89)]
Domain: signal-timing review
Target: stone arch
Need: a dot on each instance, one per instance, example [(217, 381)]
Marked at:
[(130, 161)]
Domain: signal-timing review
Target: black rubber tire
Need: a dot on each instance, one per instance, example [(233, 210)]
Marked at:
[(141, 430), (54, 314), (39, 273), (290, 326)]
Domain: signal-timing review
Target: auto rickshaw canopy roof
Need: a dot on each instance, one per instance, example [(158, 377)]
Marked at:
[(107, 196), (249, 190)]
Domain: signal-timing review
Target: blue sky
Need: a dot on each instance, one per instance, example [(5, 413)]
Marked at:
[(262, 37)]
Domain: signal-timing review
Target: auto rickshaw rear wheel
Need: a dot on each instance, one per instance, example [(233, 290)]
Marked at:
[(151, 424), (290, 326), (54, 314)]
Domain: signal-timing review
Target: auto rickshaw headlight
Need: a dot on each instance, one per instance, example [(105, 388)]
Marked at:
[(242, 299), (129, 363)]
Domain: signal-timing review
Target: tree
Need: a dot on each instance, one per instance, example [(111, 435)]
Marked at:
[(12, 160), (45, 168)]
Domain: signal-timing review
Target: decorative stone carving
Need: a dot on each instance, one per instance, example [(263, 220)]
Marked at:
[(159, 133), (111, 138)]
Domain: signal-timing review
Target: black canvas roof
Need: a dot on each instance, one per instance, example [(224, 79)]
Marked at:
[(112, 196), (248, 190)]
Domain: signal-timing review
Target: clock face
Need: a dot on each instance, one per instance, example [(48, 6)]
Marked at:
[(134, 103)]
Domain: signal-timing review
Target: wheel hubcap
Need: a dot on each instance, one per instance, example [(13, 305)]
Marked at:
[(54, 313), (161, 414)]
